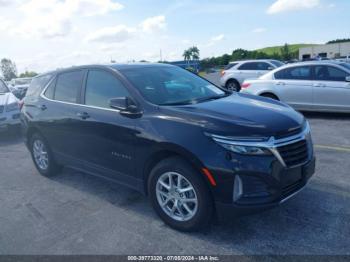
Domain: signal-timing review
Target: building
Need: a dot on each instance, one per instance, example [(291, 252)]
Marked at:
[(337, 50)]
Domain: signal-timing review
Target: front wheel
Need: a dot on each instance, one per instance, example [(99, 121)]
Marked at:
[(179, 195)]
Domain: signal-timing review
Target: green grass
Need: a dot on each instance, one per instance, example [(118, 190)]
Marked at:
[(277, 49)]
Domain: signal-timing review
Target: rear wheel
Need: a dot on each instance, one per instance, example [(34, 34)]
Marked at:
[(42, 156), (179, 195), (233, 85)]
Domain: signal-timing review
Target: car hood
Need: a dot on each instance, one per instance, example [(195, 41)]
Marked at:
[(243, 115)]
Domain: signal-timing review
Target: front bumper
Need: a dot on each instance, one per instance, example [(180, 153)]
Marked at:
[(290, 182)]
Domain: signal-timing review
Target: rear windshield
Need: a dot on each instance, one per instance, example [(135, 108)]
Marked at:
[(346, 65), (37, 85), (229, 66), (276, 63), (3, 87)]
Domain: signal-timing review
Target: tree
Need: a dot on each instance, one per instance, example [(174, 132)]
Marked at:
[(285, 52), (339, 41), (8, 69), (194, 52), (187, 55), (28, 74)]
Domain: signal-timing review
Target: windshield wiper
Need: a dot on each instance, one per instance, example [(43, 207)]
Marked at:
[(210, 98), (181, 103)]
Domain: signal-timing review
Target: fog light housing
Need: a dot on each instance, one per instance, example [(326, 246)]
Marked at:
[(237, 188)]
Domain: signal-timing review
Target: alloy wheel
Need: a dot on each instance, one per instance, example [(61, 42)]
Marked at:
[(40, 154), (176, 196)]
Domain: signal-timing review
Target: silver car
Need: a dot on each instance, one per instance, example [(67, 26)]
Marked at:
[(307, 86), (9, 108), (235, 73)]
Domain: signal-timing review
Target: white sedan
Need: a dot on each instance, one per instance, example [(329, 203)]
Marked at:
[(307, 86), (9, 108)]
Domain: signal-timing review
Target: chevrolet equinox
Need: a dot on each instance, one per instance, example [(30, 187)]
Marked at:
[(195, 149)]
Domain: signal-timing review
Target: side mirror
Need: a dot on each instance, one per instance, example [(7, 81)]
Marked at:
[(347, 79), (270, 68), (124, 104)]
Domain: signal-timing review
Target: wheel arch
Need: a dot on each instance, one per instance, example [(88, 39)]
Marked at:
[(267, 92), (166, 151)]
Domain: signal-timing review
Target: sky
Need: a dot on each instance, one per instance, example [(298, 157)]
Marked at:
[(41, 35)]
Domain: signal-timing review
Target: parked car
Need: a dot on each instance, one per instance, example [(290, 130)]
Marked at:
[(20, 86), (9, 109), (195, 149), (235, 73), (309, 86)]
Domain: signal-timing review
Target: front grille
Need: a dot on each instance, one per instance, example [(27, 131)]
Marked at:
[(1, 109), (295, 153)]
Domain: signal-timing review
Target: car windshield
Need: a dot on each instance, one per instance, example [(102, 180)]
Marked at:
[(276, 63), (346, 65), (171, 85)]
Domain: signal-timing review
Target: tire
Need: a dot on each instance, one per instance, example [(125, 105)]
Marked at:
[(272, 96), (181, 219), (45, 165), (233, 85)]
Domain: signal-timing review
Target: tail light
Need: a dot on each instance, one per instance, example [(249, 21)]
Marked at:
[(21, 104), (245, 85), (222, 72)]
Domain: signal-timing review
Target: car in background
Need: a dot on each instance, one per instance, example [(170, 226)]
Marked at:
[(235, 73), (9, 108), (306, 86), (20, 86)]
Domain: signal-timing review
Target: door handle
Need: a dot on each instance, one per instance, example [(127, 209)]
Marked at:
[(43, 107), (319, 85), (281, 83), (83, 115)]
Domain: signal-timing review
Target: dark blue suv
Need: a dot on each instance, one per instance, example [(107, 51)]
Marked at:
[(195, 149)]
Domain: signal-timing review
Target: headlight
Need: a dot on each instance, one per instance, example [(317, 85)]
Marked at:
[(241, 145), (246, 150), (12, 107)]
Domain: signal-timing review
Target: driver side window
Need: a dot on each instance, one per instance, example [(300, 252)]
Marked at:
[(101, 86)]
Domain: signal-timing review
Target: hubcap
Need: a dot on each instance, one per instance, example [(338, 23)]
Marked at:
[(232, 86), (176, 196), (40, 154)]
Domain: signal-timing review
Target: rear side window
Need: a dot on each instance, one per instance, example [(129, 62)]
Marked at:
[(37, 85), (255, 66), (68, 85), (49, 92), (329, 73), (229, 66), (294, 73), (249, 66), (101, 86)]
